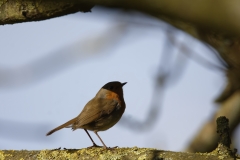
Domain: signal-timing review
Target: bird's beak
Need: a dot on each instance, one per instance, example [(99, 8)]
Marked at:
[(124, 83)]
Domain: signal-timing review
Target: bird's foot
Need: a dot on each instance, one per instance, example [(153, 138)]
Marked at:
[(110, 148), (94, 145), (56, 149)]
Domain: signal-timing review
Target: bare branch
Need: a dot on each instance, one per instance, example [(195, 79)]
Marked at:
[(220, 16)]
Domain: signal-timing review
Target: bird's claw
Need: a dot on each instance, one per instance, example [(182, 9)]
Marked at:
[(94, 145)]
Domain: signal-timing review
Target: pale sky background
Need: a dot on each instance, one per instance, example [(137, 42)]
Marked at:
[(87, 53)]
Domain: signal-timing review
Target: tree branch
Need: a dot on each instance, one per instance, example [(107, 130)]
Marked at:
[(215, 15), (16, 11), (100, 153)]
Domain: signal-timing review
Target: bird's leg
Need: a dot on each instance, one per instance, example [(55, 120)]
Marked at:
[(94, 144), (101, 140)]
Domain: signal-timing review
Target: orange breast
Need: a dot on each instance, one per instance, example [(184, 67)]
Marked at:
[(112, 95), (115, 96)]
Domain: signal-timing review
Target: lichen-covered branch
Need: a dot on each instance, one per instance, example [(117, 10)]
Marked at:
[(103, 154), (15, 11), (221, 16)]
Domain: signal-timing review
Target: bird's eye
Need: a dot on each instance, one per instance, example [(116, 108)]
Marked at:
[(111, 87)]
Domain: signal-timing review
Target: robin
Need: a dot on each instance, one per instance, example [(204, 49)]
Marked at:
[(100, 113)]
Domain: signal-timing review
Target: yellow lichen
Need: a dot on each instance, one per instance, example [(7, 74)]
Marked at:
[(103, 154), (3, 156), (142, 157)]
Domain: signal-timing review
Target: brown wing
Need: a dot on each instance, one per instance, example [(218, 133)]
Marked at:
[(93, 110)]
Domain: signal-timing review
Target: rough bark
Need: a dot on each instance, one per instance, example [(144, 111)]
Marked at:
[(220, 16), (114, 154), (15, 11)]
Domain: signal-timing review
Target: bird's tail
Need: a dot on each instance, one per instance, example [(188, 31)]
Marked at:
[(68, 123)]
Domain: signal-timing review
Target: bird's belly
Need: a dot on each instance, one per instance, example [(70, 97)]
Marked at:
[(105, 122)]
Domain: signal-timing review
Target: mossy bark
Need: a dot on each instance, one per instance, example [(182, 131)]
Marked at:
[(113, 154)]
